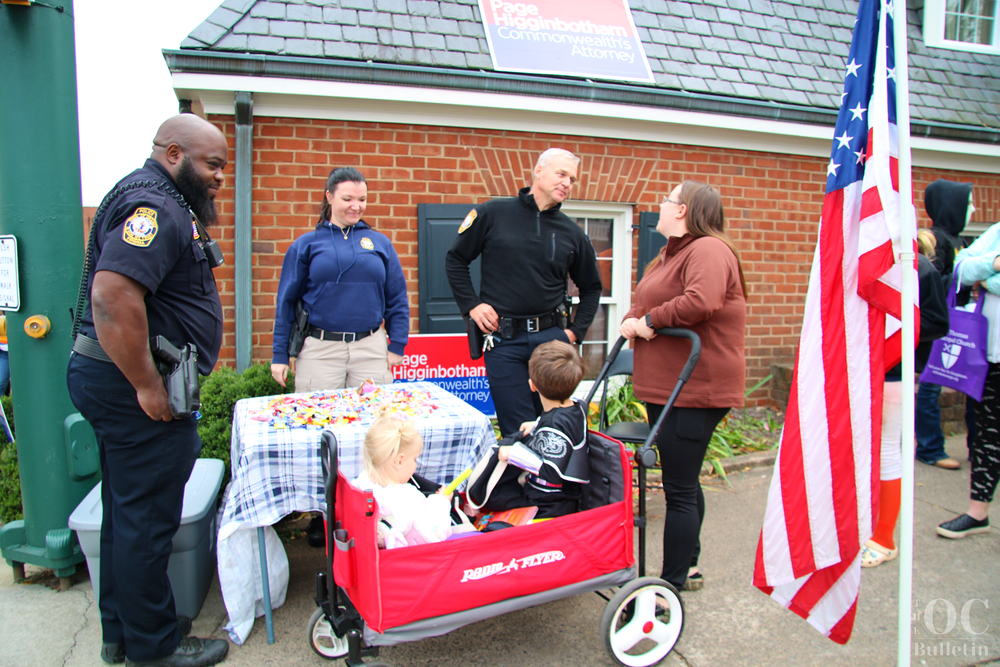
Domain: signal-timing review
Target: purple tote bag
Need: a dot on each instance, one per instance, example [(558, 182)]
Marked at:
[(959, 359)]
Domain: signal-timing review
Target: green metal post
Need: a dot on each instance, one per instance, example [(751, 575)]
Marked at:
[(40, 207)]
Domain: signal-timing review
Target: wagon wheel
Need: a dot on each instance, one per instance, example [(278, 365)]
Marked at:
[(323, 639), (642, 622)]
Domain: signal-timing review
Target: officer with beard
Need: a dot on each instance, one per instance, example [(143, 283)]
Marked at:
[(149, 275)]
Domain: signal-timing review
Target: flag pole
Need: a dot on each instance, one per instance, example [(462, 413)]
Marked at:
[(907, 257)]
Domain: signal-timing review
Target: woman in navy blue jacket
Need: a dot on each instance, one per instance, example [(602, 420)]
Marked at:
[(349, 280)]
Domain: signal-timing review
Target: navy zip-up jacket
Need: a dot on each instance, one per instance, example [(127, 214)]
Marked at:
[(348, 283)]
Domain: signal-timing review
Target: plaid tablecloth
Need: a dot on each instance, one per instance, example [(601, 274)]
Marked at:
[(277, 472)]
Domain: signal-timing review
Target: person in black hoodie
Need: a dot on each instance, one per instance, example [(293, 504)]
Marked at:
[(950, 207)]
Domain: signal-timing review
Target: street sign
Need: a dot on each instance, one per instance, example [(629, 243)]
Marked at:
[(10, 293)]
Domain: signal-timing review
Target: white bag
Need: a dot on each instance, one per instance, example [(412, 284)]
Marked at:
[(242, 591)]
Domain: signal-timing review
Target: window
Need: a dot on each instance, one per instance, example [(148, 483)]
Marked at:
[(962, 25), (969, 21), (609, 227)]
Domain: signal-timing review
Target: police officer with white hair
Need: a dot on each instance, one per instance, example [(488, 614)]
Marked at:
[(529, 248)]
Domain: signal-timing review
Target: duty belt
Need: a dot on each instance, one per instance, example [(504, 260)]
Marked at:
[(348, 337), (90, 348), (530, 324)]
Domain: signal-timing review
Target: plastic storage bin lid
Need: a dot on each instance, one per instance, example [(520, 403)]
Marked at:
[(199, 497)]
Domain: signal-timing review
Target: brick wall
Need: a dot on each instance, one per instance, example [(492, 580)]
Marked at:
[(772, 203)]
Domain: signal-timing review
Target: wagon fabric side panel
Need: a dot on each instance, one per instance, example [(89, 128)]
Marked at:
[(392, 588)]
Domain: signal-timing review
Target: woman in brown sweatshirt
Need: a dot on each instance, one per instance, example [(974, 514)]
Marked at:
[(696, 283)]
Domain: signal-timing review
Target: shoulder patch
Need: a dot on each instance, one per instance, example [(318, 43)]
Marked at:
[(367, 244), (469, 219), (140, 228)]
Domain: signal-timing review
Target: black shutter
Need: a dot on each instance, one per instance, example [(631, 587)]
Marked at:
[(437, 226), (650, 240)]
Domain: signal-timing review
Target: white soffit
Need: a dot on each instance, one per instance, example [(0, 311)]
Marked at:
[(299, 98)]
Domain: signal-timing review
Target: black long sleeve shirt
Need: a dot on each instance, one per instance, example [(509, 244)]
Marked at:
[(527, 256)]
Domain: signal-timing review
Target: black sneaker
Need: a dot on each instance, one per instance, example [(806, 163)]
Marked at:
[(191, 652), (963, 525), (114, 654)]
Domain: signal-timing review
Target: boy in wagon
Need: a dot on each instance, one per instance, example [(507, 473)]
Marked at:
[(553, 449)]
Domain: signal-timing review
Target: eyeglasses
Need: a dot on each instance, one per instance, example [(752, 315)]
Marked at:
[(672, 201)]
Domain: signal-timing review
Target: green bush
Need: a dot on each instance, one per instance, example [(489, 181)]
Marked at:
[(219, 393), (10, 478)]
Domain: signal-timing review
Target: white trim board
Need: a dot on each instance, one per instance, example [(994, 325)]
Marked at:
[(299, 98)]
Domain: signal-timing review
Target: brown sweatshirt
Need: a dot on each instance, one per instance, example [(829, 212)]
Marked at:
[(696, 286)]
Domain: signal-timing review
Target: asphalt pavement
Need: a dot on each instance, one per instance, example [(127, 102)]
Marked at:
[(955, 599)]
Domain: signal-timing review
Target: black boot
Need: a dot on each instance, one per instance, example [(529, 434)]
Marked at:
[(316, 533)]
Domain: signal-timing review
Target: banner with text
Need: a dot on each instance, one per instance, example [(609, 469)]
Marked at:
[(444, 360), (585, 38)]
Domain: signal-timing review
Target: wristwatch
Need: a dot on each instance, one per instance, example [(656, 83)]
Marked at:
[(649, 321)]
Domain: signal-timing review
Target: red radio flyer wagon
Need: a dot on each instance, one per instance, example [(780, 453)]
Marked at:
[(370, 597)]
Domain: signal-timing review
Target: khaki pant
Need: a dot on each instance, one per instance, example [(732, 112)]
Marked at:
[(324, 364)]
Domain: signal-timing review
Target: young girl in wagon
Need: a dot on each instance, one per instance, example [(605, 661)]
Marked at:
[(406, 516)]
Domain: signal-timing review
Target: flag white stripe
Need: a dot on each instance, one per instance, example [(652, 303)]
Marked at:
[(859, 380), (813, 425), (774, 535)]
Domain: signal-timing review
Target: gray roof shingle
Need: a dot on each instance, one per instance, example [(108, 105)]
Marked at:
[(785, 51)]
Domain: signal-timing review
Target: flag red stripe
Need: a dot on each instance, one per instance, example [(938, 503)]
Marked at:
[(838, 403), (818, 585), (841, 632), (876, 323), (793, 485)]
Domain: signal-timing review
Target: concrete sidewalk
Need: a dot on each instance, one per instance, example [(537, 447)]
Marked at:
[(729, 622)]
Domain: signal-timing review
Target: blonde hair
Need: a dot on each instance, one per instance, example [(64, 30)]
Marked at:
[(387, 437), (926, 243)]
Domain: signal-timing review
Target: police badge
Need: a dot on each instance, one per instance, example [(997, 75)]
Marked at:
[(140, 228)]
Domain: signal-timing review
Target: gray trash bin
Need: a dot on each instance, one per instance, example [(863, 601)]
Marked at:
[(192, 561)]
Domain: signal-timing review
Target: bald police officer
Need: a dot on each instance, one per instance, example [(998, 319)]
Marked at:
[(529, 249), (150, 275)]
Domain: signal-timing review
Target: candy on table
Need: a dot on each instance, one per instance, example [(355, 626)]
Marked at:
[(342, 407)]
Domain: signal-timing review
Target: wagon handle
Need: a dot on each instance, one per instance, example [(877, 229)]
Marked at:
[(328, 460)]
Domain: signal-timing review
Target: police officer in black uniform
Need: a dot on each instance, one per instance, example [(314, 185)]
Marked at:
[(149, 275), (529, 247)]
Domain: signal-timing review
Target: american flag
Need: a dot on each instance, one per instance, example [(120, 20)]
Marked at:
[(823, 498)]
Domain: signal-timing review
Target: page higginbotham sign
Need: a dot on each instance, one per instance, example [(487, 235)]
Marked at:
[(444, 360), (584, 38)]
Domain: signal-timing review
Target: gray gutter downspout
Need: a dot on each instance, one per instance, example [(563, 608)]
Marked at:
[(243, 230), (324, 69)]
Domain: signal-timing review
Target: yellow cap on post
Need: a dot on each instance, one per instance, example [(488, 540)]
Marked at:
[(37, 326)]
